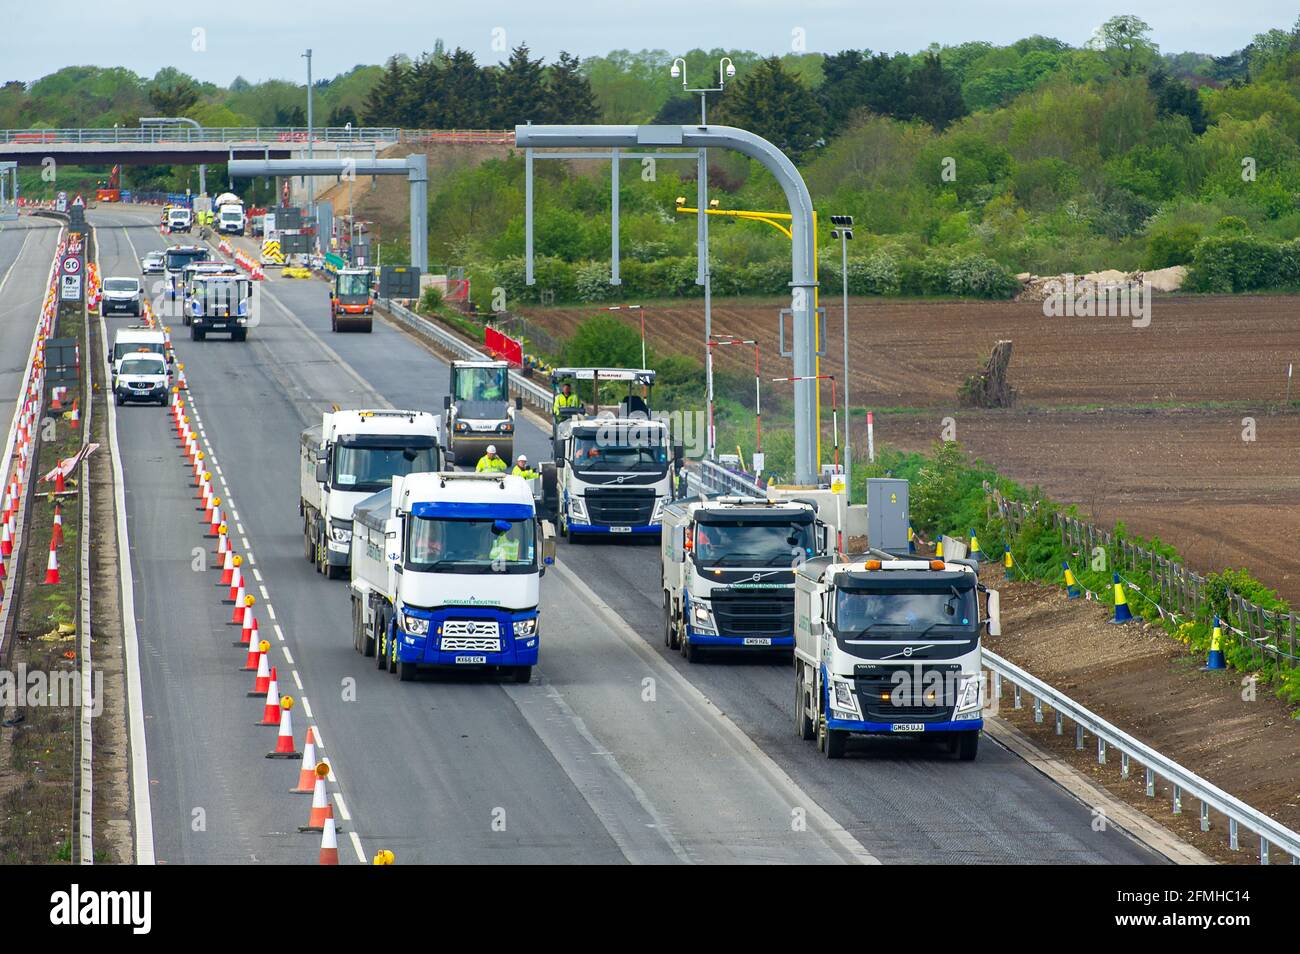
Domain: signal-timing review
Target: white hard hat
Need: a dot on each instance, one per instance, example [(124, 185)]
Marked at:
[(492, 448), (523, 457)]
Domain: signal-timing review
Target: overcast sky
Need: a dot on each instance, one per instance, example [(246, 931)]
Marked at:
[(261, 39)]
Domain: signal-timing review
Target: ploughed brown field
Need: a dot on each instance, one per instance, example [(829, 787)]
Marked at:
[(1143, 425)]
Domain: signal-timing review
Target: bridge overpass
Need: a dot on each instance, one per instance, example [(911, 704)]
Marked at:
[(172, 144)]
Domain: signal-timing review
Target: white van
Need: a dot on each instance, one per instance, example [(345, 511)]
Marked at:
[(134, 340), (143, 376), (179, 220)]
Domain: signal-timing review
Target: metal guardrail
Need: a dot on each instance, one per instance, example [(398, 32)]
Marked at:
[(1183, 780), (533, 393), (709, 477)]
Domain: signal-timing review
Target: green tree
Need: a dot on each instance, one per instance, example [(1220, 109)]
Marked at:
[(387, 98), (569, 97), (520, 89), (1126, 43), (772, 103), (468, 93), (932, 93), (172, 92)]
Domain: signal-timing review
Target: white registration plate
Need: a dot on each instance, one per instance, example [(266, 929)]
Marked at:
[(620, 529), (470, 660), (907, 727), (758, 641)]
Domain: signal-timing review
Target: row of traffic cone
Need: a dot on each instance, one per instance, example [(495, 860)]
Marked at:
[(24, 450), (277, 710)]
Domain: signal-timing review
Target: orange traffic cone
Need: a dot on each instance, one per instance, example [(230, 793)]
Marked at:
[(216, 523), (284, 740), (58, 525), (60, 486), (329, 844), (258, 662), (320, 802), (75, 421), (228, 567), (52, 567), (243, 608), (307, 774), (270, 715), (236, 594), (247, 629)]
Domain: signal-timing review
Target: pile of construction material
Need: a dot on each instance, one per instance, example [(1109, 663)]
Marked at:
[(1039, 287)]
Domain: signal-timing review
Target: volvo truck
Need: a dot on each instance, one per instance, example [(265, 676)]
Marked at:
[(889, 645), (614, 464), (446, 573), (728, 572), (349, 456)]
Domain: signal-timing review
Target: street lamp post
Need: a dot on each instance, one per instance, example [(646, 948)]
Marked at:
[(726, 70), (844, 232), (310, 183)]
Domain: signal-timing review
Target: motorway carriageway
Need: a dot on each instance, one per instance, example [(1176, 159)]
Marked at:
[(618, 749), (26, 253)]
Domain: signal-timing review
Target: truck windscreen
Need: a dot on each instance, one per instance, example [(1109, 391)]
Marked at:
[(178, 260), (631, 450), (482, 384), (470, 546), (905, 613), (354, 287), (752, 544), (369, 469)]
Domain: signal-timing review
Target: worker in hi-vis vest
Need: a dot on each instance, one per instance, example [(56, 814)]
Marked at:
[(566, 398), (490, 463)]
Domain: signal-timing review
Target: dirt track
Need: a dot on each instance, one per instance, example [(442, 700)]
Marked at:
[(1098, 421)]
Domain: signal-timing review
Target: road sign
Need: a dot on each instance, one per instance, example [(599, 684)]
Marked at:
[(399, 281), (61, 202), (70, 288), (79, 201), (71, 264)]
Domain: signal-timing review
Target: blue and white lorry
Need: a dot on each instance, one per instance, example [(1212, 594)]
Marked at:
[(890, 645), (728, 572), (446, 572), (614, 463)]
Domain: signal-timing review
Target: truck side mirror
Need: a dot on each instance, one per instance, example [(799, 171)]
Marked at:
[(816, 627), (519, 403), (446, 402), (322, 471), (823, 537), (679, 454), (677, 550), (994, 621), (548, 544), (557, 452)]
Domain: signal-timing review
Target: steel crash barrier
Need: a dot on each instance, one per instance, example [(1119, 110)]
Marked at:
[(534, 394), (1183, 781)]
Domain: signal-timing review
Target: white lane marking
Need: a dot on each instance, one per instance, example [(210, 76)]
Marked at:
[(257, 575), (263, 589), (297, 680), (356, 846), (279, 633), (836, 835), (343, 808), (270, 611), (289, 659), (144, 849), (320, 743), (306, 705)]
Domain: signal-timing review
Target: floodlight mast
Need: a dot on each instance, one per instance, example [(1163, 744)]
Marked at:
[(803, 277)]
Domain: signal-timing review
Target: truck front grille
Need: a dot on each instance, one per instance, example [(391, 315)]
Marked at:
[(471, 635), (754, 614), (616, 508), (878, 690)]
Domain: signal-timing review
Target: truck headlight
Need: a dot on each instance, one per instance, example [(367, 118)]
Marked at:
[(414, 625), (341, 532), (843, 698), (577, 509), (968, 693), (702, 617), (461, 426), (525, 628), (658, 515), (506, 427)]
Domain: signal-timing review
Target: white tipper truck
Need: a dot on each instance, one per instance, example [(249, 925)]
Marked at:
[(728, 571), (888, 644), (348, 457), (446, 572), (230, 213), (614, 464)]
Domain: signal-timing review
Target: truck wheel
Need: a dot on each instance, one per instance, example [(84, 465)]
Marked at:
[(392, 655), (334, 324), (669, 634), (381, 643), (836, 740), (307, 545), (240, 335), (803, 726), (405, 671), (690, 652), (369, 326), (523, 674), (969, 746), (333, 572)]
